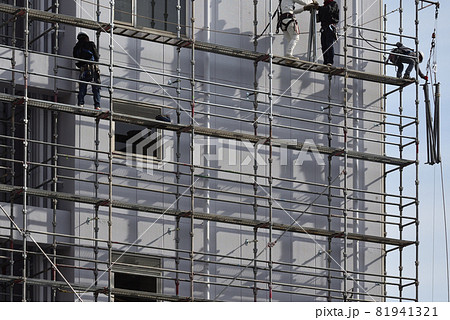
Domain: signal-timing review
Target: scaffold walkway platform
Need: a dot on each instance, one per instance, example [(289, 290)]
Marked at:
[(169, 38), (206, 216), (54, 106)]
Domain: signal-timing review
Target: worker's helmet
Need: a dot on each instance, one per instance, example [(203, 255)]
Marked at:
[(82, 35), (420, 56)]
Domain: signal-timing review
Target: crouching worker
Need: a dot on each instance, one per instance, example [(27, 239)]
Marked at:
[(288, 23), (89, 72), (401, 55)]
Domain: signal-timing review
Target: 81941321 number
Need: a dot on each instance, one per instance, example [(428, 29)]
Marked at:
[(406, 312)]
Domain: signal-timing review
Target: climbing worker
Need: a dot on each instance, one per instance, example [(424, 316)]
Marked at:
[(89, 72), (288, 23), (328, 16), (400, 55)]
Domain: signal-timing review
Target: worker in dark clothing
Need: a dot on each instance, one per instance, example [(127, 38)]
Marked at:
[(89, 72), (401, 55), (328, 16)]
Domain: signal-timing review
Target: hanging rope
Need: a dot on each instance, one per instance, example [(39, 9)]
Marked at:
[(445, 233), (433, 126)]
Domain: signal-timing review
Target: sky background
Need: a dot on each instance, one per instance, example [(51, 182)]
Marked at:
[(432, 250)]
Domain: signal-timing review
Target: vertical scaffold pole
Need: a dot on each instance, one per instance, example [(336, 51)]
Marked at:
[(96, 184), (345, 209), (110, 133), (25, 151), (329, 197), (206, 236), (178, 155), (192, 188), (13, 150), (384, 150), (98, 12), (55, 148), (417, 157), (271, 35), (400, 109), (255, 163), (96, 207)]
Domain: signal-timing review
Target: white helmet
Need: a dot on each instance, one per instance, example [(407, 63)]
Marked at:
[(420, 56), (82, 35)]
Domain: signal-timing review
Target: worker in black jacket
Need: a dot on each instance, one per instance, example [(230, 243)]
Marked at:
[(328, 16), (401, 55), (89, 72)]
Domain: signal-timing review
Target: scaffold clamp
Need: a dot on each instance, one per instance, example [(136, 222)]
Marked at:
[(262, 225), (18, 101), (338, 235), (103, 203), (103, 115), (105, 27), (185, 214), (16, 192), (263, 57), (19, 12)]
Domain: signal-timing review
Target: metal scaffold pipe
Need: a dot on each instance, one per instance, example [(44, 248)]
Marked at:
[(416, 284), (110, 148), (25, 155), (55, 148), (192, 149), (255, 162)]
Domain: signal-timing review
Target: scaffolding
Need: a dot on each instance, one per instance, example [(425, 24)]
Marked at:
[(37, 168)]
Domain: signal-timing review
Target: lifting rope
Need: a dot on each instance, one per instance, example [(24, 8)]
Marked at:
[(433, 132)]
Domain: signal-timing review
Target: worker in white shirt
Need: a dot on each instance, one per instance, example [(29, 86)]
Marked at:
[(288, 23)]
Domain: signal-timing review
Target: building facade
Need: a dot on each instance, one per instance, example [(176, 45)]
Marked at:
[(271, 181)]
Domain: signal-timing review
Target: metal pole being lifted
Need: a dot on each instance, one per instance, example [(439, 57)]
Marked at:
[(312, 40)]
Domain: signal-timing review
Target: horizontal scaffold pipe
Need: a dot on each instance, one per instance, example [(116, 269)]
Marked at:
[(18, 100), (170, 38), (203, 216)]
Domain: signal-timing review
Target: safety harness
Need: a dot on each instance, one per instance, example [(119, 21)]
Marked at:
[(284, 16)]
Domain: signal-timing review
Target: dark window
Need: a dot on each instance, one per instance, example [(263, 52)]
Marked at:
[(161, 14), (136, 273), (136, 283), (137, 139)]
